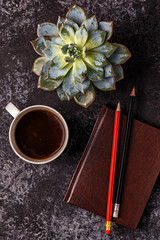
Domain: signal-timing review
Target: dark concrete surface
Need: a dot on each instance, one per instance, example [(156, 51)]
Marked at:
[(31, 195)]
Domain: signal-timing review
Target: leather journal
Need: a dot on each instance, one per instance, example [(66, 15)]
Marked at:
[(89, 185)]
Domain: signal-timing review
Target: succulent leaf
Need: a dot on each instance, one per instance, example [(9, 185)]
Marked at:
[(81, 36), (95, 73), (96, 59), (77, 14), (85, 100), (68, 22), (84, 51), (47, 29), (108, 27), (121, 54), (45, 69), (48, 84), (38, 65), (82, 87), (71, 23), (52, 51), (91, 24), (61, 94), (59, 62), (59, 22), (79, 70), (68, 85), (118, 72), (109, 71), (54, 40), (57, 74), (65, 48), (39, 45), (106, 48), (95, 39), (67, 33), (106, 85), (69, 59)]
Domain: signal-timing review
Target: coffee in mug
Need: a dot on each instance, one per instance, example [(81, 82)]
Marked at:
[(38, 134)]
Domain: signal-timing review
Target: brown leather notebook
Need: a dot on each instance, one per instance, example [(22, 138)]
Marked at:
[(89, 185)]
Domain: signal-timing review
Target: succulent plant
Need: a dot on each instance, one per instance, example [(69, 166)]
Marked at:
[(76, 56)]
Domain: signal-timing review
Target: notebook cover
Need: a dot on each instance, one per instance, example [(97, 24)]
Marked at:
[(89, 185)]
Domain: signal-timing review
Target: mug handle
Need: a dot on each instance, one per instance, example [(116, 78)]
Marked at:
[(12, 109)]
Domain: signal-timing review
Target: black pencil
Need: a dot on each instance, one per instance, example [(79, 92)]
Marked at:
[(124, 154)]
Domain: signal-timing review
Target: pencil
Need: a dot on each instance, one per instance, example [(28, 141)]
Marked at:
[(124, 154), (112, 168)]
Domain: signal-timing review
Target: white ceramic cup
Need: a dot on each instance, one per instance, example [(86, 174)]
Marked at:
[(17, 114)]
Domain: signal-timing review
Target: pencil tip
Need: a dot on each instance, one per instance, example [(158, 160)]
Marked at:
[(133, 92), (118, 106)]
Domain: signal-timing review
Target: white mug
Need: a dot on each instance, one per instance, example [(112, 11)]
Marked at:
[(17, 114)]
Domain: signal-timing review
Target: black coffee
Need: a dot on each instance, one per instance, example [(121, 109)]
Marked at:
[(39, 134)]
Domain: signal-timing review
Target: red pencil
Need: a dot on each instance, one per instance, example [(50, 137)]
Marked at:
[(112, 168)]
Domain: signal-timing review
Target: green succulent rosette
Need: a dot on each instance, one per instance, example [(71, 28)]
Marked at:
[(76, 56)]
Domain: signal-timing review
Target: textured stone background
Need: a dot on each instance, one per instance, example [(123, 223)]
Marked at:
[(31, 196)]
